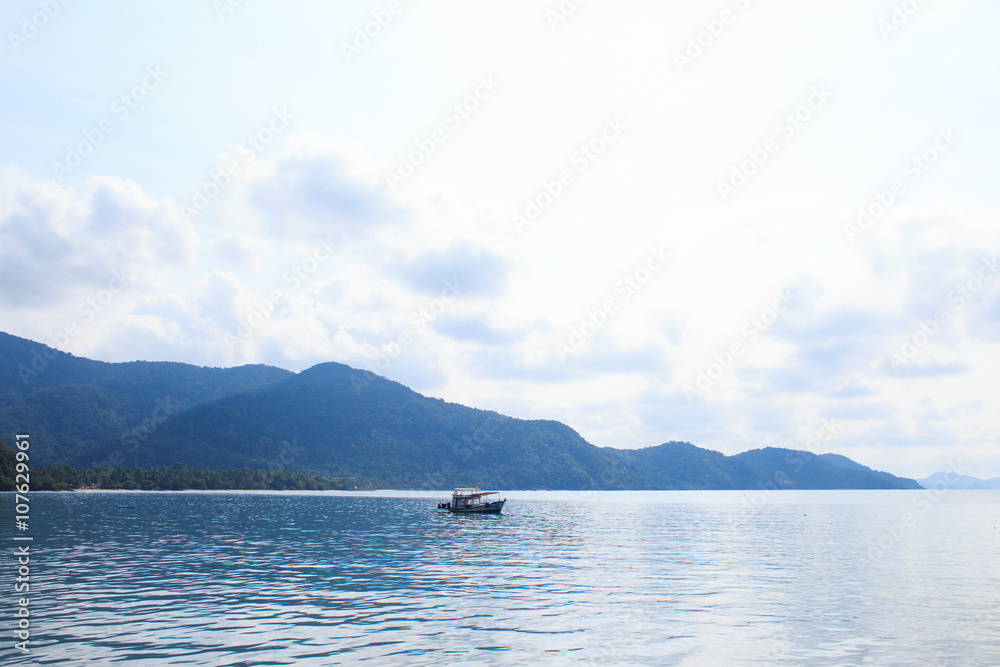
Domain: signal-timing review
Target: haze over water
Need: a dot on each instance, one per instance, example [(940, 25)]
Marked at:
[(658, 578)]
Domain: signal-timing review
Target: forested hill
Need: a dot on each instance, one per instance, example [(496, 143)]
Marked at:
[(340, 422), (72, 404)]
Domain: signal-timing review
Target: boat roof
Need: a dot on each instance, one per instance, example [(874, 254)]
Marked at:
[(471, 491)]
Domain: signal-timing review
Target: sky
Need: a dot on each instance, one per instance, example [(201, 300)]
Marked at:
[(738, 224)]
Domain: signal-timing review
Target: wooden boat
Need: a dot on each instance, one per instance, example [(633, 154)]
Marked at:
[(471, 500)]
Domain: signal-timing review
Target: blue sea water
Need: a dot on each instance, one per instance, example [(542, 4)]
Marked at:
[(602, 578)]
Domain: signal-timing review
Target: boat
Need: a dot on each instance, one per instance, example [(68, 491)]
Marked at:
[(470, 500)]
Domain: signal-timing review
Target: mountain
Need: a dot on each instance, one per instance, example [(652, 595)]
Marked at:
[(72, 404), (681, 465), (341, 422), (843, 462), (950, 480), (806, 470)]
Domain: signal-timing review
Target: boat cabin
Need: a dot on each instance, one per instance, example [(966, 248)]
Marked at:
[(471, 499)]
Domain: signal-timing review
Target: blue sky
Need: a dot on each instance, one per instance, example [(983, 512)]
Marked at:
[(727, 223)]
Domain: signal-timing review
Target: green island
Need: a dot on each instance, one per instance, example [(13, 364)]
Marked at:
[(167, 425)]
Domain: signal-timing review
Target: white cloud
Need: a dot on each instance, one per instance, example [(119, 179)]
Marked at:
[(377, 297), (58, 243), (337, 266)]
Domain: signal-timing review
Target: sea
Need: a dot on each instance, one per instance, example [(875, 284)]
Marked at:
[(560, 578)]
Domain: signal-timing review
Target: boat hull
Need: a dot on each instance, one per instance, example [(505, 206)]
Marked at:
[(490, 508)]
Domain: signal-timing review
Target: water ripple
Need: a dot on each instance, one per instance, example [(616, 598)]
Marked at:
[(671, 578)]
